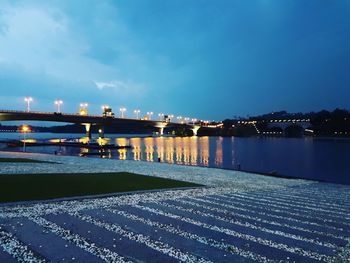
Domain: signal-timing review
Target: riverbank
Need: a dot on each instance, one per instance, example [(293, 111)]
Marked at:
[(239, 217), (201, 175), (25, 187)]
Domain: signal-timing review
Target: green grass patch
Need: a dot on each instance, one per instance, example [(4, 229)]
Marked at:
[(21, 187), (21, 160)]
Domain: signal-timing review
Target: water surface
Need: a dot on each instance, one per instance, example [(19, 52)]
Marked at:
[(310, 158)]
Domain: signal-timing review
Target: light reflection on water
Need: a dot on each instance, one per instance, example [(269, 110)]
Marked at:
[(314, 158), (179, 150)]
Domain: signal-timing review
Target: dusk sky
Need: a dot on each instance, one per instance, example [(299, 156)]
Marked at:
[(204, 59)]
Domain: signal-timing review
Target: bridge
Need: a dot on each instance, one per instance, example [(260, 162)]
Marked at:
[(96, 120)]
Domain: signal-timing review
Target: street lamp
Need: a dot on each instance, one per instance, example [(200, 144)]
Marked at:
[(150, 113), (187, 119), (28, 100), (58, 103), (122, 110), (170, 117), (104, 107), (179, 118), (83, 109), (24, 130), (161, 116), (137, 112)]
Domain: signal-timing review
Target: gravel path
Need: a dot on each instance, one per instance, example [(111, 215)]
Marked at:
[(240, 217)]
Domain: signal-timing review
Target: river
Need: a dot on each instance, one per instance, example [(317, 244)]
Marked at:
[(324, 159)]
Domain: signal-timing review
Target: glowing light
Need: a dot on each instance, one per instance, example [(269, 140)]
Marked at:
[(84, 140), (179, 118), (194, 150), (58, 103), (137, 112), (102, 141), (161, 116), (107, 111), (57, 140), (25, 128), (122, 154), (150, 113), (28, 100), (83, 105), (160, 147), (204, 151), (30, 141), (121, 141), (169, 150), (103, 107), (136, 148), (83, 112), (83, 109), (149, 142), (219, 152), (122, 110)]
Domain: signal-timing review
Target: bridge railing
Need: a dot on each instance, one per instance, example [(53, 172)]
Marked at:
[(22, 111), (47, 112), (86, 116)]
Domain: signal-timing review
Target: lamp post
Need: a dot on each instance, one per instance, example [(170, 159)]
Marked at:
[(58, 103), (179, 118), (137, 112), (28, 100), (83, 105), (161, 116), (122, 110), (83, 109), (150, 113), (171, 116)]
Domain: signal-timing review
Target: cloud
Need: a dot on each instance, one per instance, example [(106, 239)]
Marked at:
[(103, 85), (125, 87), (42, 39)]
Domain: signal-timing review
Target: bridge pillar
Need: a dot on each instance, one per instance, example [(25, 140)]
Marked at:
[(88, 129), (161, 127), (101, 132), (195, 129)]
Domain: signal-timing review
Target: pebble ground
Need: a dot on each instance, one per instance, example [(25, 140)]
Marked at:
[(239, 217)]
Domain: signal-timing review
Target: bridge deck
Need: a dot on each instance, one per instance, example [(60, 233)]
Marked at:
[(9, 115)]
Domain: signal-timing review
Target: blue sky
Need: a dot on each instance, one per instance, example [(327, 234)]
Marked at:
[(197, 58)]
